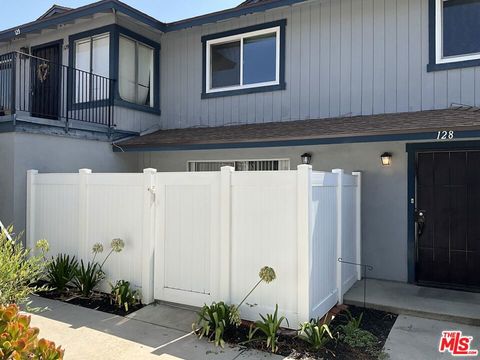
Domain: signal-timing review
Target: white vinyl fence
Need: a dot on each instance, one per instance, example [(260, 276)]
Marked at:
[(197, 237)]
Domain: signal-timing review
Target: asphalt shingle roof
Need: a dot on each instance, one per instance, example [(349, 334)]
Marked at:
[(458, 119)]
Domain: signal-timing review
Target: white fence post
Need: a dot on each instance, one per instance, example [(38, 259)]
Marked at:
[(340, 174), (304, 239), (148, 241), (30, 241), (83, 251), (358, 215), (224, 289)]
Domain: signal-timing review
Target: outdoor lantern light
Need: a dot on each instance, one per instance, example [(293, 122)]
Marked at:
[(306, 158), (386, 159)]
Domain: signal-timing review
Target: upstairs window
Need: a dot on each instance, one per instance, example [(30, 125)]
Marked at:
[(457, 28), (135, 76), (92, 57), (243, 61)]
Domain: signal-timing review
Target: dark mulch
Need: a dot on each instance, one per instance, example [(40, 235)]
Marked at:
[(379, 323), (97, 301)]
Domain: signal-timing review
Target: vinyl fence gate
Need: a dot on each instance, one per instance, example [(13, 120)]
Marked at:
[(197, 237)]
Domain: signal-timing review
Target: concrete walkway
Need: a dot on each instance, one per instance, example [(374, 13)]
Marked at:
[(400, 298), (155, 332), (415, 338)]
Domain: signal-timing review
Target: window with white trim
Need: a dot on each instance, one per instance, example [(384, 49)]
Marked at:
[(239, 165), (457, 29), (243, 61)]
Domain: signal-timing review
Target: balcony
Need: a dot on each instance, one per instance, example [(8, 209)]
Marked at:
[(35, 90)]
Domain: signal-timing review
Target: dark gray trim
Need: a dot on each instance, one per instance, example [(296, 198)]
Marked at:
[(429, 135), (432, 65), (115, 31), (259, 89), (281, 86), (412, 150)]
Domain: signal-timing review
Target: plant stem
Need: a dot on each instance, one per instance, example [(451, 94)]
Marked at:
[(110, 253), (245, 298)]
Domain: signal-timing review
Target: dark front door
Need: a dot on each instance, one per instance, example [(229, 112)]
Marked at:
[(448, 219), (46, 81)]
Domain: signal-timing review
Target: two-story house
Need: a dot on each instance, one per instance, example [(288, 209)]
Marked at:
[(387, 87)]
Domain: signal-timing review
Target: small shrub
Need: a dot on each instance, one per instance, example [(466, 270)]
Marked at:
[(61, 271), (88, 277), (316, 333), (123, 296), (356, 337), (20, 341), (20, 270), (269, 326), (212, 322), (353, 322)]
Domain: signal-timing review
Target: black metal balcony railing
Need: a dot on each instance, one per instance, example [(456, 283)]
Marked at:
[(39, 88)]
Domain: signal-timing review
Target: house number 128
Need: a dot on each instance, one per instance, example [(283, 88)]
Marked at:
[(445, 135)]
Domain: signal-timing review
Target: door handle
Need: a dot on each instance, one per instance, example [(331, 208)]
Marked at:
[(420, 219)]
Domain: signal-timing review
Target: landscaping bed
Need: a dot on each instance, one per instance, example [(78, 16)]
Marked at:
[(378, 323), (96, 301)]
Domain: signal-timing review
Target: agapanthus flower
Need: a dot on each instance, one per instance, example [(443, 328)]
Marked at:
[(97, 248), (117, 245), (267, 274)]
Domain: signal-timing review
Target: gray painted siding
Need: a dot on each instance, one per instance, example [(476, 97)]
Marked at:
[(6, 177), (384, 202), (343, 57)]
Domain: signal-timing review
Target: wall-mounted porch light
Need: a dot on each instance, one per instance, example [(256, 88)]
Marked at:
[(306, 158), (386, 159)]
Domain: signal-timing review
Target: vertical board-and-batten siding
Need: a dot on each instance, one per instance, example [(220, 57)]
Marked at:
[(343, 57)]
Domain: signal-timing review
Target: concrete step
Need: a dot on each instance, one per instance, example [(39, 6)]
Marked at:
[(431, 303)]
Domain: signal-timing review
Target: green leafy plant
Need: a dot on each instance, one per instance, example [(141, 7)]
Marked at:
[(267, 275), (316, 333), (20, 269), (212, 322), (61, 271), (88, 277), (354, 336), (19, 341), (269, 326), (123, 296), (353, 322)]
